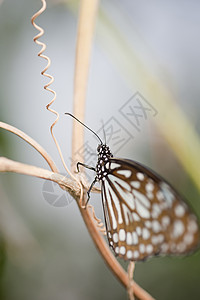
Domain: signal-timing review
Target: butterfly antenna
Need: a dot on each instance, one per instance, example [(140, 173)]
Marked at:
[(85, 126), (104, 133)]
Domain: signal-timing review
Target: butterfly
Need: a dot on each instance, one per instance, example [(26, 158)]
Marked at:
[(144, 215)]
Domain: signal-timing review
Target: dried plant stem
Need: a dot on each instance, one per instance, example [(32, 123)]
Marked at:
[(131, 268), (7, 165), (110, 259), (172, 122), (47, 86), (32, 142), (84, 42), (87, 17), (86, 27)]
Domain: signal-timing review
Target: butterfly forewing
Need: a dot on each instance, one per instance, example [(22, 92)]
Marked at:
[(144, 215)]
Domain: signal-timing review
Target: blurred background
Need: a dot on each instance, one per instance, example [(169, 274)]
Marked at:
[(45, 249)]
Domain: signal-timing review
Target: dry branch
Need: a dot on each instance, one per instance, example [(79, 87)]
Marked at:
[(84, 43), (7, 165), (31, 142), (87, 17), (85, 36)]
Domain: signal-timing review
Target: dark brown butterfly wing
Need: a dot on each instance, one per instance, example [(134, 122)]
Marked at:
[(144, 215)]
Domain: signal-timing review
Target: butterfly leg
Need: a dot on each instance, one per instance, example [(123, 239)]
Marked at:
[(85, 166), (90, 188)]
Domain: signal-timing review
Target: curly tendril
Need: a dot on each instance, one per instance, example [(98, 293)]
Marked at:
[(46, 86)]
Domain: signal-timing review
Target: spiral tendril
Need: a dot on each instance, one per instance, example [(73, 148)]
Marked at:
[(46, 86)]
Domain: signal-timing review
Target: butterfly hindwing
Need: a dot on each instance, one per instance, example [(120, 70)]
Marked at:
[(144, 215)]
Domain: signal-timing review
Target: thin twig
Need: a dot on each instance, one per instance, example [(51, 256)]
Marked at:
[(131, 268), (84, 42), (87, 17), (31, 142), (109, 258), (47, 86), (71, 186), (7, 165), (171, 120)]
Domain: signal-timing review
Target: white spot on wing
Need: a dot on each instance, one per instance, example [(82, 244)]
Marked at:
[(135, 254), (155, 211), (154, 239), (116, 203), (179, 210), (125, 195), (165, 221), (168, 194), (129, 254), (149, 248), (156, 226), (192, 226), (148, 224), (164, 247), (107, 165), (121, 182), (117, 250), (140, 176), (135, 184), (115, 237), (161, 238), (142, 248), (114, 166), (178, 229), (149, 187), (126, 173), (141, 204), (122, 235), (157, 239), (129, 238), (150, 195), (135, 238), (114, 222), (138, 230), (122, 250), (145, 233), (188, 239), (160, 195), (141, 198)]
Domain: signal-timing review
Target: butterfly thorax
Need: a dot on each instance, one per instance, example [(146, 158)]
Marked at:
[(102, 167)]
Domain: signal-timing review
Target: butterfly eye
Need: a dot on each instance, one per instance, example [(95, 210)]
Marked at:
[(99, 148)]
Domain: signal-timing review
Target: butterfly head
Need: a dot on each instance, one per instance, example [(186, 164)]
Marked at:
[(103, 152)]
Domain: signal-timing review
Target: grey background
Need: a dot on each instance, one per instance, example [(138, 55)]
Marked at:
[(49, 253)]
